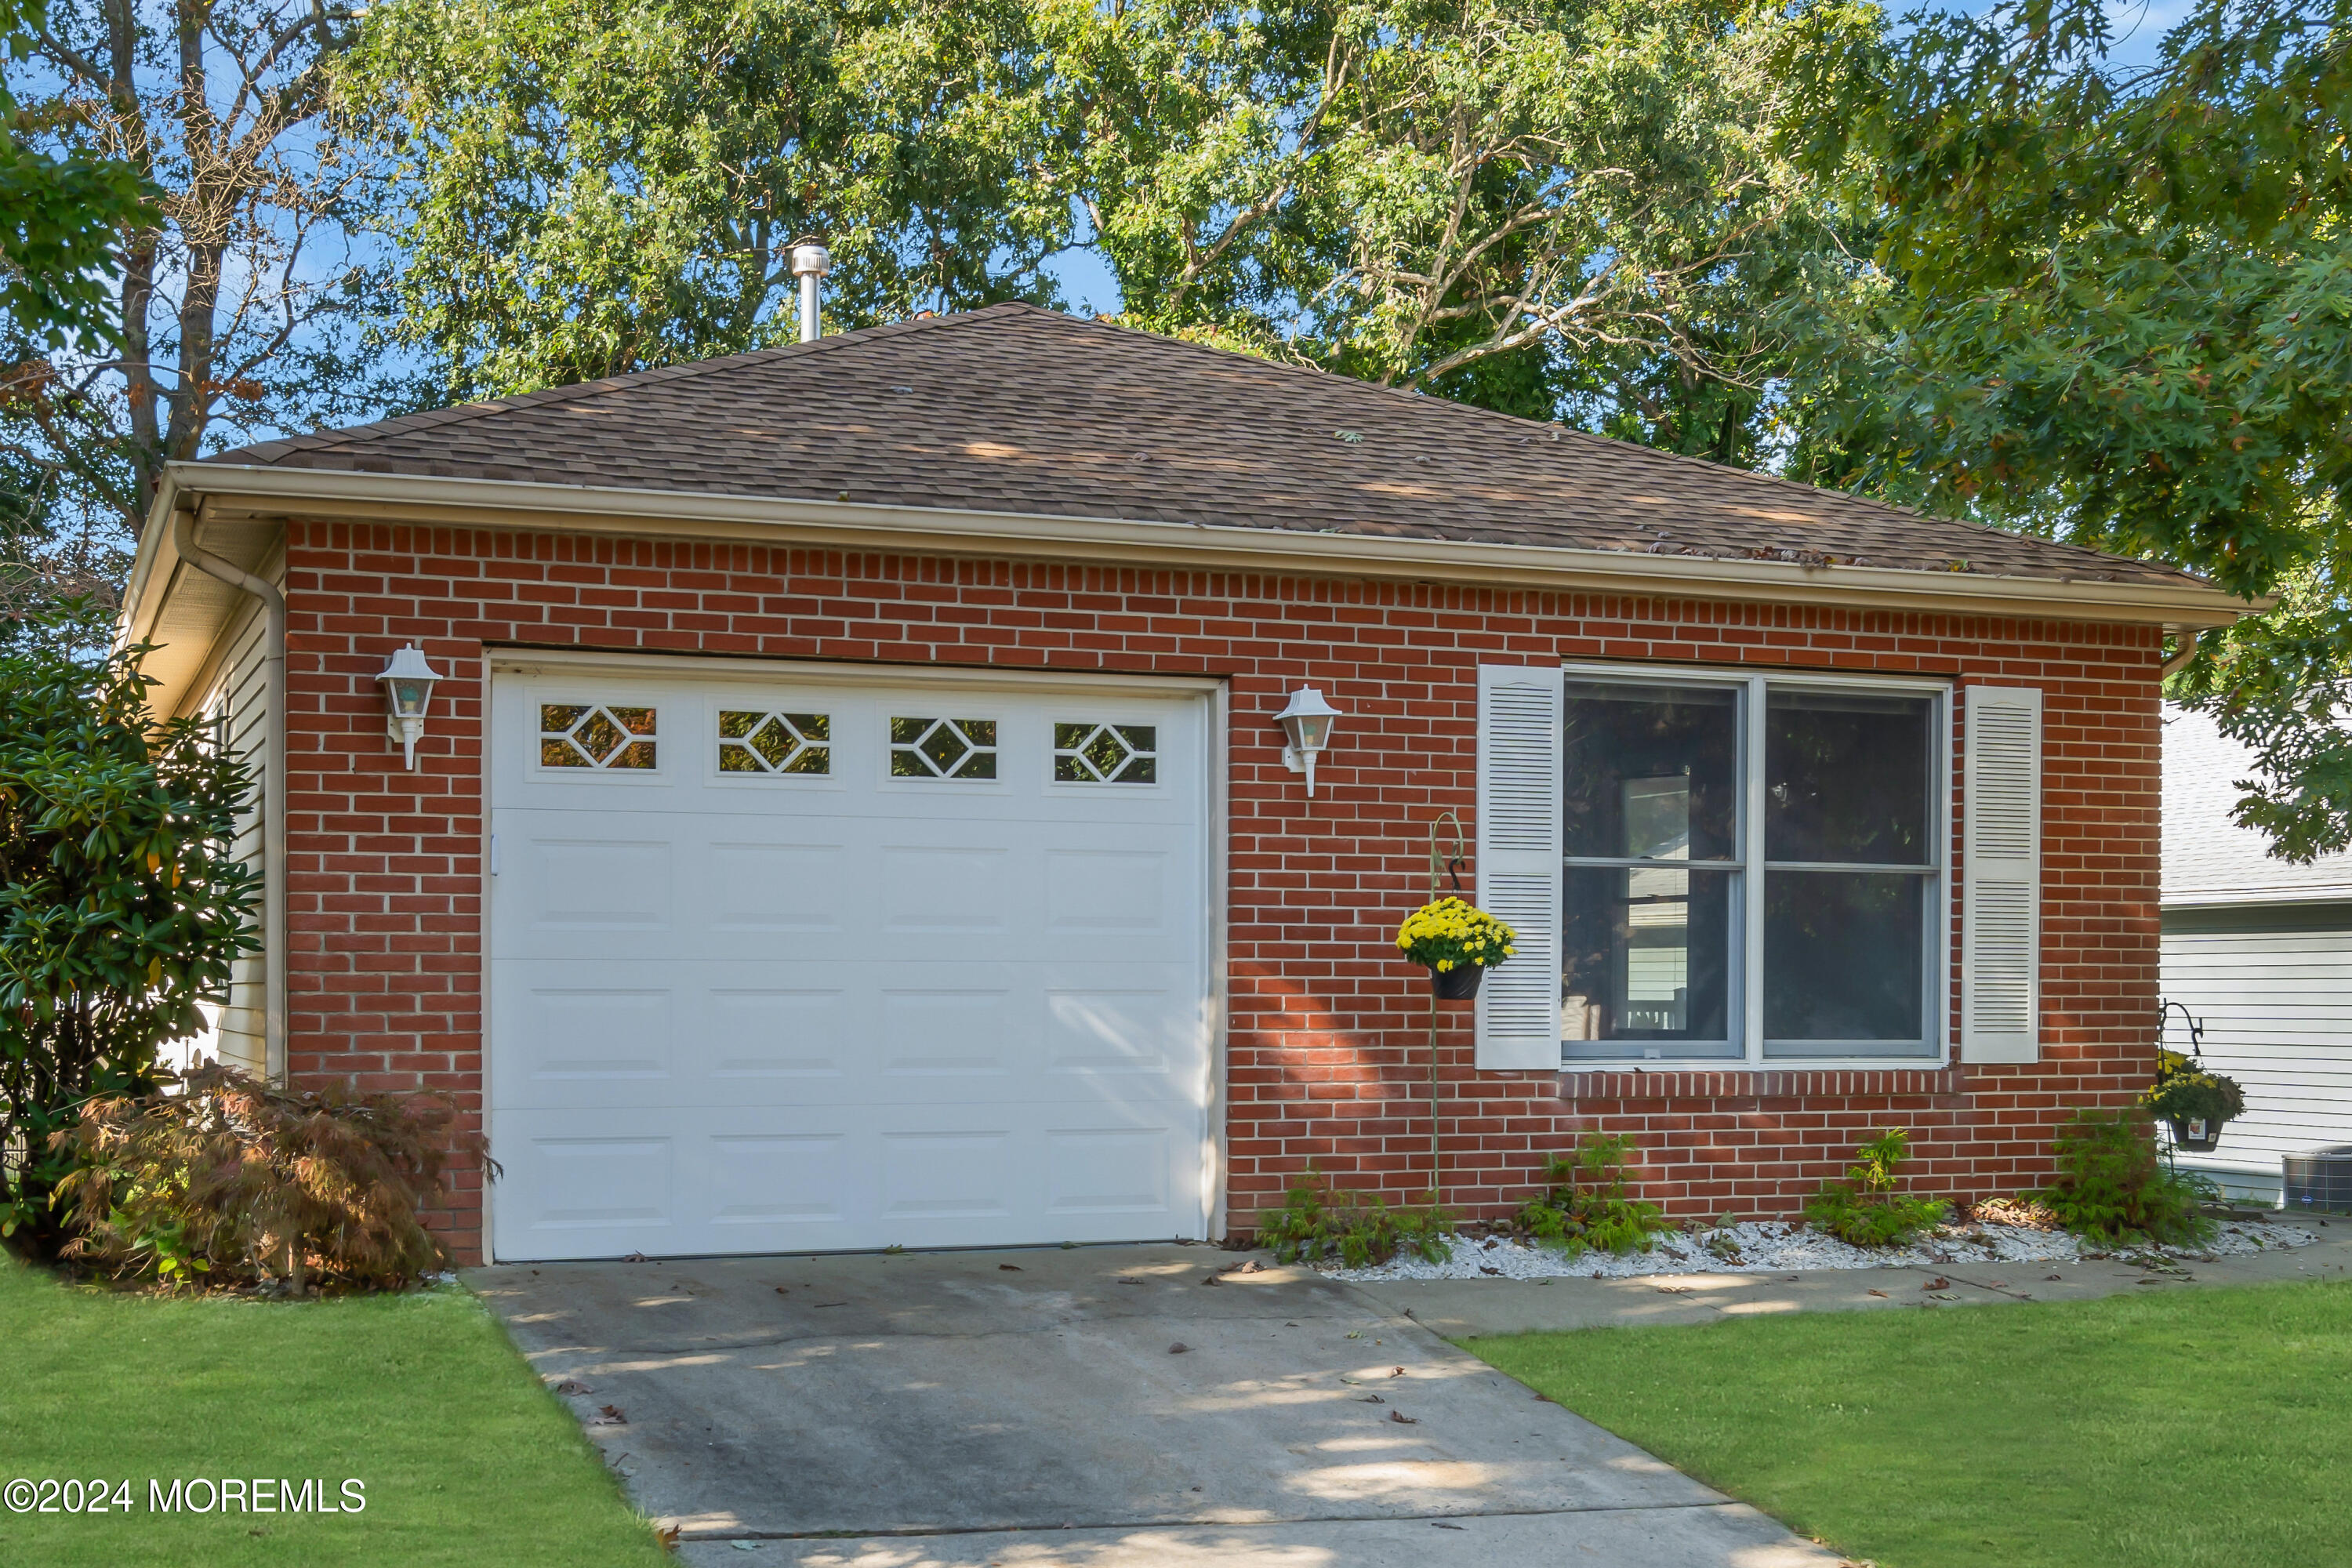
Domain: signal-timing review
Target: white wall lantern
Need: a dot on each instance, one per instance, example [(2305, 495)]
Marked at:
[(408, 682), (1308, 721)]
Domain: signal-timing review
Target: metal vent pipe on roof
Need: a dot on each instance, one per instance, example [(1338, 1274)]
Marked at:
[(811, 262)]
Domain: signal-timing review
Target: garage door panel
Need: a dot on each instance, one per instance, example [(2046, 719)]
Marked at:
[(583, 1035), (735, 1011)]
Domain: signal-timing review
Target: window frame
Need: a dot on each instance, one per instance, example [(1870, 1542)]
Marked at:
[(1746, 1008)]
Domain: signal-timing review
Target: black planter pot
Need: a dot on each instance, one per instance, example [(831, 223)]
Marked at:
[(2210, 1131), (1457, 985)]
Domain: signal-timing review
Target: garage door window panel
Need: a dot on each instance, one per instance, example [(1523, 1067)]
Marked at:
[(924, 748), (1087, 754), (756, 741), (596, 735)]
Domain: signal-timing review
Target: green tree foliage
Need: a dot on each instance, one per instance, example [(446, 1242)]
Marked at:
[(1570, 206), (120, 904), (60, 216), (1565, 206), (228, 298), (2119, 311), (587, 187)]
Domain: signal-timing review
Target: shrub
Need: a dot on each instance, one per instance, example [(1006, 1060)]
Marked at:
[(122, 905), (2185, 1092), (231, 1182), (1318, 1222), (1585, 1204), (2113, 1187), (1865, 1209)]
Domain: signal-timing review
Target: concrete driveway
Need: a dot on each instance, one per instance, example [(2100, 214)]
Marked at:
[(1035, 1408)]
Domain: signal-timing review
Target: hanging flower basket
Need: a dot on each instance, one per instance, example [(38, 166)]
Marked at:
[(2197, 1104), (1457, 944)]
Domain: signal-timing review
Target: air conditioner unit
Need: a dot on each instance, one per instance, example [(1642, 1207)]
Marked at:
[(2320, 1181)]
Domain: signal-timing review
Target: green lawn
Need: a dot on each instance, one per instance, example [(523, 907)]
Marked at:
[(2207, 1426), (466, 1460)]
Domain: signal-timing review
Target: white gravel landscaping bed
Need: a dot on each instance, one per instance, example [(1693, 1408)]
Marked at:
[(1773, 1247)]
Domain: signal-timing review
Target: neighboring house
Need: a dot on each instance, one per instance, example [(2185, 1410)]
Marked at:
[(2259, 951), (852, 811)]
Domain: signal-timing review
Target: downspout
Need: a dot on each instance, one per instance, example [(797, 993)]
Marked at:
[(273, 784)]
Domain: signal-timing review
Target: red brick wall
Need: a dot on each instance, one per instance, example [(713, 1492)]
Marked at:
[(1328, 1060)]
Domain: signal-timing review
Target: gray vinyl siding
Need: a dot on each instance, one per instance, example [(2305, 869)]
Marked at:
[(240, 700), (2275, 997)]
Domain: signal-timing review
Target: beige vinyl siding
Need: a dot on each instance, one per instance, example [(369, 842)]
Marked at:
[(237, 698), (2276, 1004)]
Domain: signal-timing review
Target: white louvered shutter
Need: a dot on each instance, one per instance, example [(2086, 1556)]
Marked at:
[(2001, 910), (1519, 863)]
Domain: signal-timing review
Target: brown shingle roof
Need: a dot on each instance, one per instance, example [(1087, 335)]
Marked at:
[(1017, 409)]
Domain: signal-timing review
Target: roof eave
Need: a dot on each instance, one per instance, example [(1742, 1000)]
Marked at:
[(334, 494)]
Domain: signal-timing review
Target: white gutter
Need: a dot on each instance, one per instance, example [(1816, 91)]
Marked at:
[(273, 777), (326, 494)]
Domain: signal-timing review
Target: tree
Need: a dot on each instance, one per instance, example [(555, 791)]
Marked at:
[(121, 904), (59, 217), (583, 188), (229, 301), (1560, 206), (2119, 311)]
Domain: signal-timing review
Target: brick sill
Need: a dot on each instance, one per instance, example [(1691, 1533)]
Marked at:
[(1618, 1086)]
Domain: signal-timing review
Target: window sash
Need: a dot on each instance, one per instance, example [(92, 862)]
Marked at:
[(1749, 874)]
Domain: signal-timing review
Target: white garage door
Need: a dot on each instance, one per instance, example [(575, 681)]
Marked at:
[(797, 960)]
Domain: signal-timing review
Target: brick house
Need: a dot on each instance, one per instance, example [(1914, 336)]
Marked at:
[(851, 812)]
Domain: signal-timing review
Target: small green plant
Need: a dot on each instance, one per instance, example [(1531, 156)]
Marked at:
[(2184, 1092), (2113, 1186), (1865, 1209), (1585, 1204), (1319, 1221)]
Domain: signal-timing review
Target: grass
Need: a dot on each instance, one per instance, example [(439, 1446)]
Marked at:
[(466, 1460), (2192, 1428)]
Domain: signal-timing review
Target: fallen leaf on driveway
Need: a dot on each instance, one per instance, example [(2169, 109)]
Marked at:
[(1880, 1293), (1937, 1283), (1010, 1267), (1546, 1398), (1396, 1371), (610, 1416), (1440, 1524), (782, 1290), (1683, 1290), (572, 1386), (1401, 1419), (1179, 1347), (1372, 1399), (1355, 1333), (1211, 1279), (2053, 1277), (667, 1536)]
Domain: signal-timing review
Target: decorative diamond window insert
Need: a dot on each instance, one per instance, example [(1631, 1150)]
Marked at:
[(761, 742), (1106, 753), (942, 748), (594, 735)]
